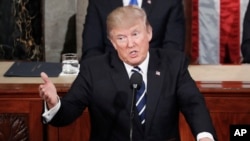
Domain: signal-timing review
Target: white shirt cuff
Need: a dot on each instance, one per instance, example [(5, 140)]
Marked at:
[(49, 114), (205, 135)]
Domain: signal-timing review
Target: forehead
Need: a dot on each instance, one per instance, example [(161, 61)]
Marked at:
[(138, 25)]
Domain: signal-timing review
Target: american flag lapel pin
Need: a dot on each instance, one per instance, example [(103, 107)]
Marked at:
[(149, 1), (158, 73)]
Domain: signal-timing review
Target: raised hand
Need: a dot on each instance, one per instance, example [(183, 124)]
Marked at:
[(48, 91)]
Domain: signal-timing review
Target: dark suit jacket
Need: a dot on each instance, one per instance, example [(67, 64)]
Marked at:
[(165, 16), (103, 86), (245, 47)]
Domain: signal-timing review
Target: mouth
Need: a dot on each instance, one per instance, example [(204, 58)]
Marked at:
[(133, 53)]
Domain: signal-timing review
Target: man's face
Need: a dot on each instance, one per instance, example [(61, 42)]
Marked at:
[(132, 43)]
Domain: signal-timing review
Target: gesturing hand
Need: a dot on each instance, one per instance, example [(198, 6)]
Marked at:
[(47, 91)]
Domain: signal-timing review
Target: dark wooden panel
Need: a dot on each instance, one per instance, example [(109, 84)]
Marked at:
[(14, 106), (188, 17), (25, 111), (35, 124), (228, 104), (14, 127)]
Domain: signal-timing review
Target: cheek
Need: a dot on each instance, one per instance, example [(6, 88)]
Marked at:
[(144, 46), (122, 52), (144, 51), (145, 42)]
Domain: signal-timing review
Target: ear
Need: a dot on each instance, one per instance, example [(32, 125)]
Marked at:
[(150, 32)]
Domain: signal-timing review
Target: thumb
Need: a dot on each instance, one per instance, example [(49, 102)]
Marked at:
[(44, 77)]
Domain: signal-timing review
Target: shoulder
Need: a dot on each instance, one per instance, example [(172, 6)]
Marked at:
[(94, 60), (170, 59), (105, 61), (168, 55)]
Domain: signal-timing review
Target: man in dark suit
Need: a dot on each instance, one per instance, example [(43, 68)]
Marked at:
[(104, 86), (165, 16), (245, 46)]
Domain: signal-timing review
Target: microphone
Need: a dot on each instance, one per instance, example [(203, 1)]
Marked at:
[(135, 82)]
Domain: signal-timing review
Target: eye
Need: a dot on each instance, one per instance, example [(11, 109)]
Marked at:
[(121, 38), (135, 34)]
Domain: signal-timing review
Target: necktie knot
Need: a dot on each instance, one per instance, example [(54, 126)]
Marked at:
[(136, 69)]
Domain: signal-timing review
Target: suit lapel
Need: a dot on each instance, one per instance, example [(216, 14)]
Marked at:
[(121, 79), (155, 83)]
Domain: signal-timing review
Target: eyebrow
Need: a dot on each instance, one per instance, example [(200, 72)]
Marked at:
[(120, 35)]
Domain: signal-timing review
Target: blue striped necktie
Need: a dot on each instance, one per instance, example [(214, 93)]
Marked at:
[(133, 2), (140, 98)]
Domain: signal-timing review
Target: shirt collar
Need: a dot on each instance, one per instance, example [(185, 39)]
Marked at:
[(143, 66)]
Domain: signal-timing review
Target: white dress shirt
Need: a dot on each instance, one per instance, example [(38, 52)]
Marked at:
[(144, 69)]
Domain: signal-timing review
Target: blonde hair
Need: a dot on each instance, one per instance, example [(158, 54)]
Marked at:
[(126, 16)]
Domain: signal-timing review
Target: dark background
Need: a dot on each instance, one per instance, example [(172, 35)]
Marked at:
[(21, 30)]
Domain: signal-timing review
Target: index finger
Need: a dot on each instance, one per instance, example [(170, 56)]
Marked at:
[(44, 77)]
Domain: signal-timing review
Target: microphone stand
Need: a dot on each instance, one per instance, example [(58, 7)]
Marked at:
[(135, 81), (132, 112)]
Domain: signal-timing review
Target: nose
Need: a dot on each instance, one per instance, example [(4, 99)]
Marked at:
[(130, 41)]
